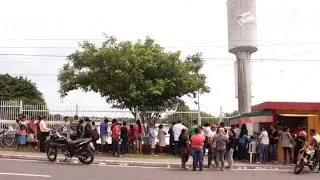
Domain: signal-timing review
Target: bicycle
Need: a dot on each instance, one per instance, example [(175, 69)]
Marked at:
[(7, 139)]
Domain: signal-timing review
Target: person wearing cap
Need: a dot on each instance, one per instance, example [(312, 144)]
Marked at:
[(211, 145)]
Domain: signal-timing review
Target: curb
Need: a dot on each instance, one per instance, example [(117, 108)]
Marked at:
[(148, 164)]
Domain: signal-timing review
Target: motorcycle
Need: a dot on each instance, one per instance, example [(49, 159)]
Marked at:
[(82, 148), (305, 158)]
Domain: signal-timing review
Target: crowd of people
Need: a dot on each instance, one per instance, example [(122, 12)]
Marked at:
[(219, 142)]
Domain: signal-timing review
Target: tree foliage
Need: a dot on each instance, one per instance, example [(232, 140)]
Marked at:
[(136, 76), (19, 88)]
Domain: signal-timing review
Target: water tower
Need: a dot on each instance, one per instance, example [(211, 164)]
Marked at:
[(242, 34)]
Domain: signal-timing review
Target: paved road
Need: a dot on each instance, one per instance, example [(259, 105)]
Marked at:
[(36, 170)]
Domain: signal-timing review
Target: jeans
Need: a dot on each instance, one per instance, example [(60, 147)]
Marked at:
[(274, 152), (115, 146), (230, 158), (219, 156), (124, 146), (287, 150), (197, 155), (263, 150)]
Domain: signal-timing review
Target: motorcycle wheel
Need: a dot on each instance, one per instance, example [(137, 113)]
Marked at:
[(86, 157), (299, 167), (52, 153)]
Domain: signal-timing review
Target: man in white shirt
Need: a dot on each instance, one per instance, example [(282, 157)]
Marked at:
[(264, 144), (44, 133), (177, 128)]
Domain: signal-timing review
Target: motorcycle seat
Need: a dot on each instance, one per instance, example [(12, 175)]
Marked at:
[(76, 141)]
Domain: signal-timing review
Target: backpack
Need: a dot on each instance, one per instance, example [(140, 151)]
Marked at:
[(95, 135)]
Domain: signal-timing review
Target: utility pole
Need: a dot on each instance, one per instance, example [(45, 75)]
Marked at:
[(199, 111), (220, 116)]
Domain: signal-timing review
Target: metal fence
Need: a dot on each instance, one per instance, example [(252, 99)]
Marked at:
[(9, 111)]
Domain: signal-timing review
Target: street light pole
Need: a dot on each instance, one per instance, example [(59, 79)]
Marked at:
[(199, 112)]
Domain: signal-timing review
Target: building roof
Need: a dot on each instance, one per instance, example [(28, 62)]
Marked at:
[(306, 106)]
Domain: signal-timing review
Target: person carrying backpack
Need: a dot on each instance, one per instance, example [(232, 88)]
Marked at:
[(87, 128)]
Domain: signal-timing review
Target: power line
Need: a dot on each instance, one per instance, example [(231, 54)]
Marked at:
[(205, 58), (175, 46)]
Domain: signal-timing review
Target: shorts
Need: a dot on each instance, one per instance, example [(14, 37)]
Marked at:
[(103, 140), (139, 137)]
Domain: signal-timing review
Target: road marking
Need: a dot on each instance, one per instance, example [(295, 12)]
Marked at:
[(27, 175)]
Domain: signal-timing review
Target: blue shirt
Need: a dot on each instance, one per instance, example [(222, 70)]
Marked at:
[(244, 139), (103, 129)]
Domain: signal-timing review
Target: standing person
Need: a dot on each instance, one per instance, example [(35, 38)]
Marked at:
[(286, 144), (95, 135), (66, 127), (103, 134), (131, 139), (139, 134), (211, 144), (197, 141), (152, 138), (22, 134), (221, 141), (32, 131), (274, 136), (237, 130), (124, 138), (74, 125), (87, 128), (44, 133), (243, 142), (231, 144), (264, 144), (177, 128), (206, 131), (171, 140), (193, 127), (115, 128), (184, 148), (314, 142), (17, 129), (162, 138), (80, 128)]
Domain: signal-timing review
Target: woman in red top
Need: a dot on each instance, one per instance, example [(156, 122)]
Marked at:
[(197, 141)]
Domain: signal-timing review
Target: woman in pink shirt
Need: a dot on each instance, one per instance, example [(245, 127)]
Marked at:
[(138, 134), (197, 141)]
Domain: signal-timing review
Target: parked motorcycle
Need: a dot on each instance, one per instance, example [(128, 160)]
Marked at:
[(82, 148), (305, 158)]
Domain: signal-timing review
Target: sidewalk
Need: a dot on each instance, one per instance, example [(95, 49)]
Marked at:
[(127, 161)]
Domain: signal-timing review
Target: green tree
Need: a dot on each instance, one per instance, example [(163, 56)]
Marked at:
[(19, 88), (136, 76)]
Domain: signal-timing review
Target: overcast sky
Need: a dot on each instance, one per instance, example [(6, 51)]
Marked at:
[(287, 30)]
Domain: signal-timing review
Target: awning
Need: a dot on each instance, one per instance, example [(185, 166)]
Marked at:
[(257, 119), (253, 117)]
